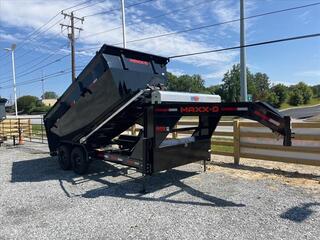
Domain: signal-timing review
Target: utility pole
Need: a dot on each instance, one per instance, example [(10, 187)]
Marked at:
[(42, 85), (123, 24), (243, 69), (71, 37), (13, 47)]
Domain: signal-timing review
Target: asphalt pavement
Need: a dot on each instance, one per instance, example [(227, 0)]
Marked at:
[(303, 112)]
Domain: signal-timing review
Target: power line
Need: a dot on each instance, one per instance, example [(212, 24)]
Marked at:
[(91, 5), (38, 29), (222, 23), (185, 55), (43, 44), (35, 59), (41, 67), (31, 50), (117, 9), (152, 18), (249, 45), (41, 59), (32, 39), (60, 73), (34, 65), (214, 25), (44, 66), (38, 32), (76, 5), (34, 80)]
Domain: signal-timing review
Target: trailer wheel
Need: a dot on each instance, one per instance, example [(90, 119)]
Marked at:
[(64, 157), (79, 159)]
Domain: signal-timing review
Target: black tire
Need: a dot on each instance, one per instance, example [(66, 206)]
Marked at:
[(64, 157), (79, 159)]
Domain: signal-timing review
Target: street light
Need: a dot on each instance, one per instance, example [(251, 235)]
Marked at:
[(13, 47)]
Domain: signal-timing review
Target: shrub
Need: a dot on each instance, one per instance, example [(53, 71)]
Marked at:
[(296, 98)]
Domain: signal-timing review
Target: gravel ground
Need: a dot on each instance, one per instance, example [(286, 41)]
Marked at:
[(39, 201)]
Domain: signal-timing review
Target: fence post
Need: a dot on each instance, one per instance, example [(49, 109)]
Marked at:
[(41, 123), (19, 132), (236, 141), (30, 128), (175, 134), (10, 129)]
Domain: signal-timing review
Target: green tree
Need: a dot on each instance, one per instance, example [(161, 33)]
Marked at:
[(27, 103), (305, 91), (185, 83), (281, 92), (273, 99), (231, 84), (49, 95), (316, 91), (216, 89), (295, 97), (261, 86)]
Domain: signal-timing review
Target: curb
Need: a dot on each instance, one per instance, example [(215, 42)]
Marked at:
[(299, 107)]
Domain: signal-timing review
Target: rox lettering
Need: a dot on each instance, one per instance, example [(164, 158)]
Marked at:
[(200, 109)]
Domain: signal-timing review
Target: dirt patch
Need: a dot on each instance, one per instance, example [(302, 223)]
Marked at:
[(290, 174)]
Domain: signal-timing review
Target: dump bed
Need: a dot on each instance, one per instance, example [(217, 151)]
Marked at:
[(111, 79)]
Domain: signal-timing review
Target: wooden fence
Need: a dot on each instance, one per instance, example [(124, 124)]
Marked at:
[(250, 139), (11, 128), (30, 129), (235, 138)]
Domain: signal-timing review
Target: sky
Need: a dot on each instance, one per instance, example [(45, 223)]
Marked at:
[(45, 53)]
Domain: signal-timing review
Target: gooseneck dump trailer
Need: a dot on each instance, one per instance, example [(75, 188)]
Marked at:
[(120, 88)]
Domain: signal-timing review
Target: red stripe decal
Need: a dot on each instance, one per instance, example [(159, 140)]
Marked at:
[(161, 129), (138, 61), (229, 109), (263, 117), (161, 109)]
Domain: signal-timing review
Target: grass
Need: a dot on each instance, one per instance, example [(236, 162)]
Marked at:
[(314, 101), (221, 148), (36, 129)]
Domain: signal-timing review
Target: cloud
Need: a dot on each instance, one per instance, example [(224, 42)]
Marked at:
[(226, 11), (176, 71), (22, 15), (308, 73), (305, 17), (8, 37), (275, 82), (216, 75)]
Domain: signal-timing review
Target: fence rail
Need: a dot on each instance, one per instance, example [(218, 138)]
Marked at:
[(253, 140), (25, 129), (238, 139)]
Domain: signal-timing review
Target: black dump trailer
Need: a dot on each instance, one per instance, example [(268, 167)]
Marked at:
[(3, 101), (120, 88)]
